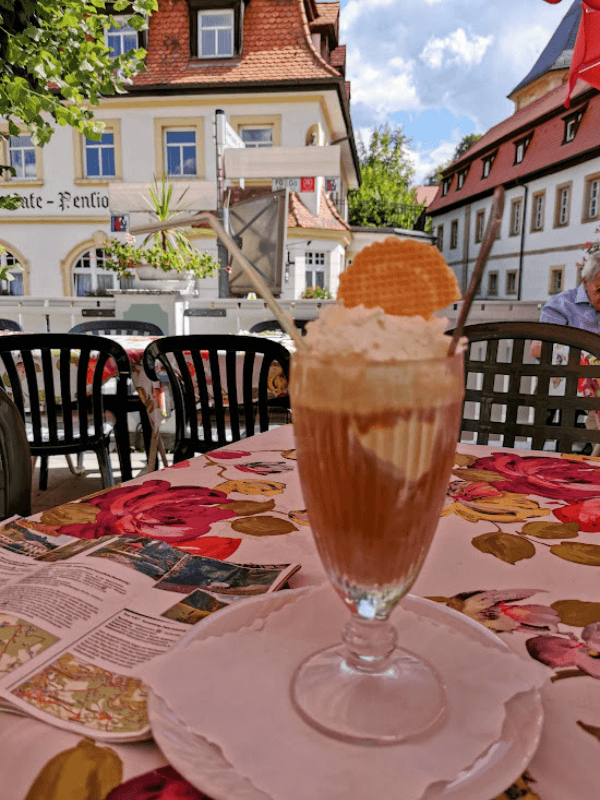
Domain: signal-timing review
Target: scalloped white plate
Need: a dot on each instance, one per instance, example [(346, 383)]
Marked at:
[(205, 767)]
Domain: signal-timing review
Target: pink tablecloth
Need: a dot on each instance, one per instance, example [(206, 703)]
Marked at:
[(516, 549)]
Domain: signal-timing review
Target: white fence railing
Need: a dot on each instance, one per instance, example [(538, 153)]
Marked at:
[(178, 314)]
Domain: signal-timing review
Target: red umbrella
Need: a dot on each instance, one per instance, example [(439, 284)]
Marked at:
[(585, 63)]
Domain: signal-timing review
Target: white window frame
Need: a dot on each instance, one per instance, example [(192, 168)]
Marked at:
[(7, 259), (511, 275), (96, 258), (89, 144), (479, 225), (593, 198), (180, 145), (21, 148), (216, 12), (252, 145), (439, 238), (563, 205), (492, 278), (515, 217), (553, 288), (315, 263), (570, 129), (453, 234), (537, 222), (121, 33)]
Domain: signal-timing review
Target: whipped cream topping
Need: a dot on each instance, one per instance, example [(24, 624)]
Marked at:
[(370, 333)]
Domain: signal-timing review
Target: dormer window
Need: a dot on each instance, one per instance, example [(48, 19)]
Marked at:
[(216, 28), (215, 34), (121, 38), (487, 165), (446, 186), (571, 125), (521, 146), (460, 178)]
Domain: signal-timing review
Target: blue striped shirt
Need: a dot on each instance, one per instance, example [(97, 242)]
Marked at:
[(573, 308)]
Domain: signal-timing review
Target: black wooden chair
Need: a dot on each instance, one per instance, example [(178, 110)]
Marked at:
[(204, 418), (117, 327), (273, 325), (15, 462), (47, 375), (125, 327), (510, 394), (9, 325)]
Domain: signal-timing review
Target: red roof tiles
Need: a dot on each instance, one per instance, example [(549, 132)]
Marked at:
[(544, 119), (277, 46)]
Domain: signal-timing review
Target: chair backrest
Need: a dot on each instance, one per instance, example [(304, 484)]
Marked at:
[(117, 327), (228, 380), (15, 462), (510, 394), (273, 325), (9, 325), (47, 374)]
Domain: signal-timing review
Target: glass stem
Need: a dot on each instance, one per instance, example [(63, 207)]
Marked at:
[(370, 644)]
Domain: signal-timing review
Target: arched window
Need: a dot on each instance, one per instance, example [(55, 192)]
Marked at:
[(14, 287), (90, 274)]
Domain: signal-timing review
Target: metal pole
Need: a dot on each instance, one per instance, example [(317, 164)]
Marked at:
[(222, 254)]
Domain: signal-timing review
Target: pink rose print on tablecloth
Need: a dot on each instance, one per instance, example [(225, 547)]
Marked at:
[(496, 610), (556, 478), (153, 508), (569, 651), (586, 514)]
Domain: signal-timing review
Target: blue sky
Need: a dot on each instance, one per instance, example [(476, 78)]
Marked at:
[(440, 68)]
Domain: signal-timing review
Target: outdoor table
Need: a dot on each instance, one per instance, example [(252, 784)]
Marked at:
[(515, 550)]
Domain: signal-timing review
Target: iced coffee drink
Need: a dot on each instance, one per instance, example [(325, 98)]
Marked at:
[(376, 403), (375, 440)]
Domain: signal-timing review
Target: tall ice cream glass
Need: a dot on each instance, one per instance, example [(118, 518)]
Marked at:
[(376, 428)]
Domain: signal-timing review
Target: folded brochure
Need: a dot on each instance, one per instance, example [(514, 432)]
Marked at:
[(78, 618)]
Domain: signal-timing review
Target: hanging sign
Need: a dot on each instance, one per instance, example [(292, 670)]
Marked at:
[(307, 184)]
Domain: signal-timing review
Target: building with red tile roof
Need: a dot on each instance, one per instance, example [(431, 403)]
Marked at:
[(274, 68), (547, 158)]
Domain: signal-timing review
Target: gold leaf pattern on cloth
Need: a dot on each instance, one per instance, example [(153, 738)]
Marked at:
[(505, 546), (577, 613), (578, 553), (246, 508), (485, 475), (251, 487), (263, 526), (84, 772), (551, 530), (289, 454), (463, 460), (70, 513)]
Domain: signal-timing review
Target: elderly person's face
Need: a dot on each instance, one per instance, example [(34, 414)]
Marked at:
[(592, 287)]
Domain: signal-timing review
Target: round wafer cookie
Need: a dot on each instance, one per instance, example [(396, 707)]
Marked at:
[(405, 278)]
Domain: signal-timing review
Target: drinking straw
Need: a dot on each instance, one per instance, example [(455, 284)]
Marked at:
[(488, 240), (285, 320)]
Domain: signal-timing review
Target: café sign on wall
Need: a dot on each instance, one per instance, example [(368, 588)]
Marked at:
[(64, 202)]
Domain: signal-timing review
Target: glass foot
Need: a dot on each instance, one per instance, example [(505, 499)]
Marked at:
[(405, 700)]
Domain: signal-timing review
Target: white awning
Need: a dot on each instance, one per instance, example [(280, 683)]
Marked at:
[(187, 196), (283, 162)]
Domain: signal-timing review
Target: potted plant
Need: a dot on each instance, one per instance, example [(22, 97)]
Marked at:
[(316, 293), (163, 255)]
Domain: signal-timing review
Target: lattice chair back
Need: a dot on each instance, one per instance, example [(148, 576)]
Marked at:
[(513, 399), (224, 387)]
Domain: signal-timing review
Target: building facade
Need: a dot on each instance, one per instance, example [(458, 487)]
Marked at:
[(276, 70), (547, 158)]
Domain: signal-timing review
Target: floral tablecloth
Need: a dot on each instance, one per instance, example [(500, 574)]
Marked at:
[(517, 549)]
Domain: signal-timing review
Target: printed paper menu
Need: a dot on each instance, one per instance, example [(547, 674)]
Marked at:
[(78, 617)]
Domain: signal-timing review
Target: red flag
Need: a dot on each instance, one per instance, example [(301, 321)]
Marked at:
[(585, 63)]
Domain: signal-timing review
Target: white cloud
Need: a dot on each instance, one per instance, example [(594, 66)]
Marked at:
[(387, 89), (522, 46), (426, 161), (354, 9), (456, 48)]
